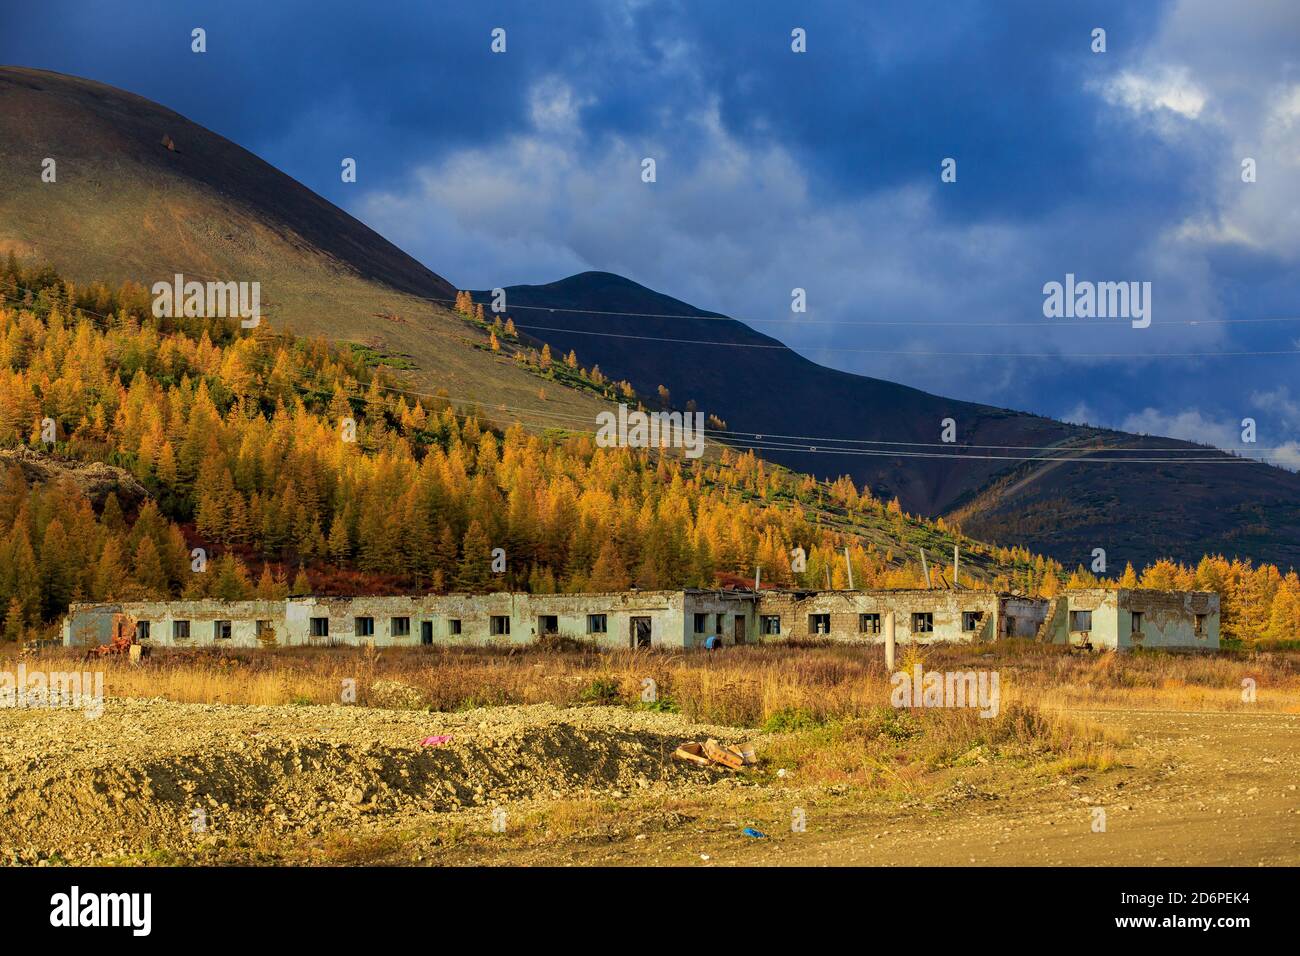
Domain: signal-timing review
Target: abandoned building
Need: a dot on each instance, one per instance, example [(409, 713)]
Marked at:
[(1126, 618), (1093, 618), (921, 616)]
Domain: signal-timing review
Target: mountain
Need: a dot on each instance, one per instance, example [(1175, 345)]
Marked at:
[(1136, 511), (141, 193)]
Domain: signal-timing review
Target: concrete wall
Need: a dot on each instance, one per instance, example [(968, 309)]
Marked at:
[(1168, 619), (1021, 616), (944, 607), (676, 618), (1099, 629), (93, 623), (291, 623), (728, 615)]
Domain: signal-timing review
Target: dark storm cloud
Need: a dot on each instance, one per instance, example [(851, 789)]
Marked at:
[(777, 170)]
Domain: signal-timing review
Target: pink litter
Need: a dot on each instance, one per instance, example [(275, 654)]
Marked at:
[(436, 741)]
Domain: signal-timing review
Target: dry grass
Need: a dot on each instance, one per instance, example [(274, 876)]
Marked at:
[(825, 711), (748, 686), (897, 750)]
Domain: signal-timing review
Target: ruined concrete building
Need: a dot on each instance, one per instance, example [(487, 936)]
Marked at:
[(1093, 618)]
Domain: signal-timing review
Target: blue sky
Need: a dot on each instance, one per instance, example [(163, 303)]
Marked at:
[(818, 170)]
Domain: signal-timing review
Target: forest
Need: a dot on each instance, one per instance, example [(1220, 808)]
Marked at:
[(277, 465)]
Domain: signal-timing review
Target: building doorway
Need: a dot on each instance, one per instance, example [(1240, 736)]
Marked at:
[(426, 632), (740, 629), (640, 632)]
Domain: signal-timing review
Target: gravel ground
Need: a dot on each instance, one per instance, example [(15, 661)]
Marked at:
[(154, 774)]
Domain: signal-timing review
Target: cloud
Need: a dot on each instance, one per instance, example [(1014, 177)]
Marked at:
[(554, 106), (1169, 88), (1280, 402), (1191, 424), (1188, 424), (1081, 414), (734, 226), (818, 170), (1232, 72), (1281, 418)]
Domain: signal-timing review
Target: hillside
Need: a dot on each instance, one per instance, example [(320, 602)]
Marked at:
[(234, 436), (126, 207), (143, 193), (1136, 511)]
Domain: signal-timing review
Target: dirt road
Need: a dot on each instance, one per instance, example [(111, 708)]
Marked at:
[(153, 781), (1205, 789)]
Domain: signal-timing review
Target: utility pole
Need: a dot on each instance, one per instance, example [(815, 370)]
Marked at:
[(889, 641), (758, 574), (925, 568), (956, 550), (848, 565)]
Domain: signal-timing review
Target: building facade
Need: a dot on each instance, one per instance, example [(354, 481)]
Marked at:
[(1094, 618), (920, 616), (620, 619), (1127, 618)]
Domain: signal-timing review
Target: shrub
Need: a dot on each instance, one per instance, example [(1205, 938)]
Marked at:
[(601, 690), (791, 720)]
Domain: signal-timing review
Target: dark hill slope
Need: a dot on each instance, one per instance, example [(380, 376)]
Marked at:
[(1135, 511)]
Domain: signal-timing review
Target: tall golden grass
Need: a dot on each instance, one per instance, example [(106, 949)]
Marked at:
[(744, 686)]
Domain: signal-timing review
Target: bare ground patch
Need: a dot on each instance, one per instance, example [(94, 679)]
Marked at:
[(136, 780)]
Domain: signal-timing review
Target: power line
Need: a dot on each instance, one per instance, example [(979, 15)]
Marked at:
[(1086, 455), (763, 440), (1086, 323), (767, 441), (1083, 323), (919, 354)]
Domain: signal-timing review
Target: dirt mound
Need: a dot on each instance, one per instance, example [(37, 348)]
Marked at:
[(157, 774)]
